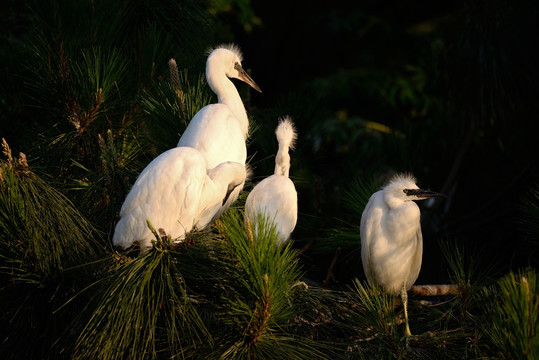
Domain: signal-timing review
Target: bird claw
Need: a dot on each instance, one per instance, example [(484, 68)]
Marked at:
[(406, 338)]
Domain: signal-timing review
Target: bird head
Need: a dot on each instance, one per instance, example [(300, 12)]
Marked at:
[(403, 188), (228, 58), (286, 132), (286, 137)]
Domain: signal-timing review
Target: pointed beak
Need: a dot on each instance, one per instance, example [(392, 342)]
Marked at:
[(243, 76), (423, 194)]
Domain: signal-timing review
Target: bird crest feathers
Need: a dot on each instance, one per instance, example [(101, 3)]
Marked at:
[(402, 178), (286, 132), (401, 181), (230, 47)]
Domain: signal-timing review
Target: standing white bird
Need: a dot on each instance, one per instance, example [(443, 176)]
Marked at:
[(275, 197), (219, 131), (176, 192), (391, 239)]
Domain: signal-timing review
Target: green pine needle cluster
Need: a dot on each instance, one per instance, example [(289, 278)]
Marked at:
[(228, 293), (42, 231), (44, 240), (513, 325), (229, 297), (96, 96), (143, 310)]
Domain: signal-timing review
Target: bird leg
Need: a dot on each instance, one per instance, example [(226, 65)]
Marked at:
[(404, 297)]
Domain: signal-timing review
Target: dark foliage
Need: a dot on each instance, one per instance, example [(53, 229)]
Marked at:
[(444, 90)]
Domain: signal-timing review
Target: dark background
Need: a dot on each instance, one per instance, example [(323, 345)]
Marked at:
[(444, 90), (456, 78)]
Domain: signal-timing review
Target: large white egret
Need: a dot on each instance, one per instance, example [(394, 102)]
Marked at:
[(219, 131), (391, 239), (275, 197), (176, 192)]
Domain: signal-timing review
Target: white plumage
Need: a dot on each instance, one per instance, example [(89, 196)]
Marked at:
[(219, 131), (275, 197), (391, 239), (175, 192)]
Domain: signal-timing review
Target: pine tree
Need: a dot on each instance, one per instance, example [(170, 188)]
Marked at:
[(96, 90)]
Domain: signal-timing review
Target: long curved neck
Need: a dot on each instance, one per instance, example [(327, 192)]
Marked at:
[(228, 94)]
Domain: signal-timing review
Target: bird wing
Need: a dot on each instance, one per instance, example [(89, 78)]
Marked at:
[(165, 193), (370, 223), (218, 186), (215, 132), (188, 191), (417, 258), (260, 199)]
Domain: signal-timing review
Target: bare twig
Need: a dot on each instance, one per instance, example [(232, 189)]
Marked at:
[(303, 249), (434, 290), (332, 265)]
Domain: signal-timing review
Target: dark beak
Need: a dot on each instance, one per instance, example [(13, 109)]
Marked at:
[(245, 77), (423, 194)]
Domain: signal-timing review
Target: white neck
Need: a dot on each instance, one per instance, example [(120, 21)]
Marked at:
[(228, 94), (282, 161)]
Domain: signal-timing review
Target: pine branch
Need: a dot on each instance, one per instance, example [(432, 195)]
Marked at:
[(145, 309), (434, 290)]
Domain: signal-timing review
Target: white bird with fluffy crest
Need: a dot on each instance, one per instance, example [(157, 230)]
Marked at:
[(275, 198), (391, 239)]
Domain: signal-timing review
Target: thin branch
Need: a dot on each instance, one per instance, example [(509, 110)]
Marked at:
[(434, 290), (303, 249), (332, 265)]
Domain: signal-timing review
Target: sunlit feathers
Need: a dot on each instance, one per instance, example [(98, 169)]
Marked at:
[(275, 197), (286, 137), (175, 192), (391, 239), (219, 131)]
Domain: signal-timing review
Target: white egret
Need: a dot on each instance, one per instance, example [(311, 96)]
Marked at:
[(175, 192), (219, 131), (391, 239), (275, 197)]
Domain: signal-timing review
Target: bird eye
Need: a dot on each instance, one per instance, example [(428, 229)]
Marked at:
[(405, 191), (237, 66)]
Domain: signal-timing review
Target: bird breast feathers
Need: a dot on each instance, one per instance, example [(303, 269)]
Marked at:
[(276, 199), (275, 191), (401, 223), (389, 227), (215, 132)]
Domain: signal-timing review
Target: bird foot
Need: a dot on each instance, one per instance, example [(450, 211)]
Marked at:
[(407, 337)]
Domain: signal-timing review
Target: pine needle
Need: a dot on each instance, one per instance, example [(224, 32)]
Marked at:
[(143, 311)]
